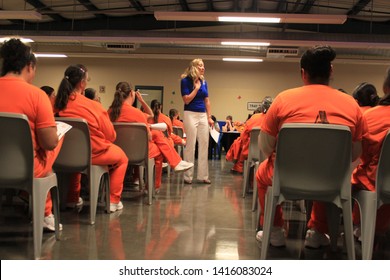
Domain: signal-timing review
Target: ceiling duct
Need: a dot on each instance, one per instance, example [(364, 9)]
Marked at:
[(121, 47), (282, 52)]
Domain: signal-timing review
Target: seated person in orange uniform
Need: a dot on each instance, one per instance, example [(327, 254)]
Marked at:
[(71, 102), (238, 151), (315, 101), (18, 95), (364, 175), (159, 117), (121, 110), (366, 96), (174, 115)]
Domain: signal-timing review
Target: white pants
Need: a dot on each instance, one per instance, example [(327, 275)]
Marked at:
[(196, 127)]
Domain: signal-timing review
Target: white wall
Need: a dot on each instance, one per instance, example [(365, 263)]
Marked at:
[(231, 84)]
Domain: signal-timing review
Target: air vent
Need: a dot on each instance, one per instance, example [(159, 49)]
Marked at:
[(282, 52), (121, 47)]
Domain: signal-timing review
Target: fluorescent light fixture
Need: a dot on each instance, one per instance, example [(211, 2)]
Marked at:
[(24, 40), (258, 44), (242, 59), (50, 55), (20, 15), (251, 17)]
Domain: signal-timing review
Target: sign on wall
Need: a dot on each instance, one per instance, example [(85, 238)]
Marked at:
[(251, 106)]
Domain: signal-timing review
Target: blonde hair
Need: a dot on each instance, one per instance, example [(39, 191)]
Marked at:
[(192, 70)]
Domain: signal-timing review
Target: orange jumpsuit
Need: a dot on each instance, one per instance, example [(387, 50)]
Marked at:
[(102, 133), (17, 96), (240, 147), (159, 147), (302, 105), (173, 138), (364, 175)]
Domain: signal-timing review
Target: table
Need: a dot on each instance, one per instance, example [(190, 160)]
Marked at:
[(227, 139)]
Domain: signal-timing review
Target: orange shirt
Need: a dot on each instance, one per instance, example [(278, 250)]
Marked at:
[(303, 104), (255, 121), (100, 127), (132, 115), (18, 96), (378, 124), (178, 123)]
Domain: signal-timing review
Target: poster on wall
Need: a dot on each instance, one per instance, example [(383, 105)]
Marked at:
[(251, 106)]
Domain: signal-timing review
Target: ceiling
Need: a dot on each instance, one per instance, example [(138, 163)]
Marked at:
[(128, 28)]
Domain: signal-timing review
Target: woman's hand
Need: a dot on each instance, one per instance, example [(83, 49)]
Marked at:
[(197, 84), (138, 96)]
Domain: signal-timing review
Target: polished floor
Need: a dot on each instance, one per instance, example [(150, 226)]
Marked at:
[(185, 222)]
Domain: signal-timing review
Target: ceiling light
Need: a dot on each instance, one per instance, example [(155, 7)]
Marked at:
[(242, 59), (24, 40), (251, 17), (259, 44), (50, 55), (20, 15)]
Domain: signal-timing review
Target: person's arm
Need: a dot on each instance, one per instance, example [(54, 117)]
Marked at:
[(267, 143), (189, 97), (47, 137), (147, 110), (208, 111)]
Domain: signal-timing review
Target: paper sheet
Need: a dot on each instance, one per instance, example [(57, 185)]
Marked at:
[(62, 128), (214, 134)]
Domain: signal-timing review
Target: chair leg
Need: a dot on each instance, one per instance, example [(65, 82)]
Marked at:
[(348, 229), (270, 205), (39, 202), (255, 198), (56, 210), (367, 202), (151, 176), (246, 177), (107, 191)]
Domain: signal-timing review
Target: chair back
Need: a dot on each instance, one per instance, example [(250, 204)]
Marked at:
[(16, 149), (133, 139), (383, 173), (75, 154), (313, 161), (254, 152), (177, 130)]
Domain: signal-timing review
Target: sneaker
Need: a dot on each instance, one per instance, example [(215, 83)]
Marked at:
[(315, 239), (277, 238), (183, 166), (164, 164), (116, 206), (76, 205), (49, 223)]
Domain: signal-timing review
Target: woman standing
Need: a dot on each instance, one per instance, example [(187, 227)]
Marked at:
[(197, 119)]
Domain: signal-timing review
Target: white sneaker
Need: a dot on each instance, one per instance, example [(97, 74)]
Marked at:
[(183, 166), (277, 238), (357, 232), (49, 223), (76, 205), (116, 206), (315, 239), (164, 164)]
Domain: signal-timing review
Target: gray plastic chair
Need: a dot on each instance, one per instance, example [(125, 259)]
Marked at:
[(75, 156), (254, 154), (17, 172), (134, 141), (179, 132), (313, 162), (369, 201)]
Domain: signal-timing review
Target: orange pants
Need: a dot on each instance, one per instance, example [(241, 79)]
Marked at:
[(43, 165), (264, 175), (117, 161), (160, 148)]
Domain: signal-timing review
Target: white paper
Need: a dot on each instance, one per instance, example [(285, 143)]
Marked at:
[(159, 126), (62, 128), (214, 134)]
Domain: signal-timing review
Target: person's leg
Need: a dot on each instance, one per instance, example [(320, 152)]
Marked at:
[(155, 153), (169, 153), (203, 144), (190, 126), (264, 180), (117, 162)]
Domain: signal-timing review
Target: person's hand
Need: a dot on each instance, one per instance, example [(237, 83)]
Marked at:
[(197, 84), (138, 95), (211, 122)]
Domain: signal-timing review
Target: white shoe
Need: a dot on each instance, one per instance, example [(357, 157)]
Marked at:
[(183, 166), (357, 232), (116, 206), (76, 205), (315, 239), (49, 223), (164, 164), (277, 238)]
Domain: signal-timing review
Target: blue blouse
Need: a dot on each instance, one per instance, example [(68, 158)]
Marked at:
[(197, 104)]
